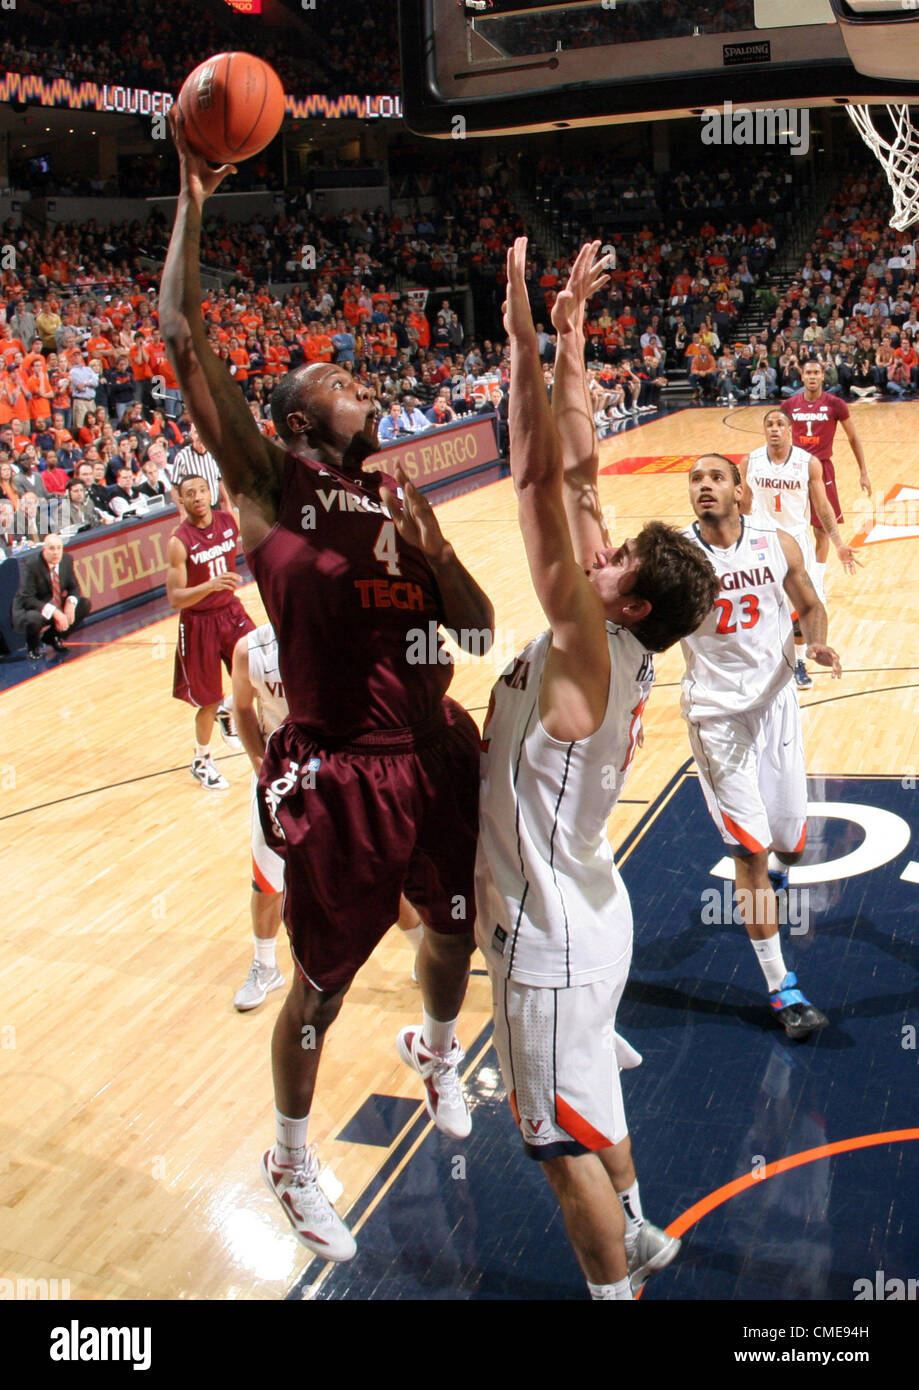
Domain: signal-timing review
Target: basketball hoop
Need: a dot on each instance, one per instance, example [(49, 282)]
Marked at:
[(899, 158)]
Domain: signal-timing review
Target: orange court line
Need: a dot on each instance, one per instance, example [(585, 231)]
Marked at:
[(782, 1165)]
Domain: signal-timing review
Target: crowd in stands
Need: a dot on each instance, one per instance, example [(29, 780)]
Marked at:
[(853, 306), (349, 47), (588, 27), (87, 395)]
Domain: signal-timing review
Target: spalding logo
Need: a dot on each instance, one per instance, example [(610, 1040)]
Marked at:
[(205, 86)]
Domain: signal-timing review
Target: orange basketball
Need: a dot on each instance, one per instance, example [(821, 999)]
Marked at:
[(233, 105)]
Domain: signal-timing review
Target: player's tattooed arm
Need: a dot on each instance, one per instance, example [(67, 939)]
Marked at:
[(821, 505), (572, 409), (249, 462), (804, 599)]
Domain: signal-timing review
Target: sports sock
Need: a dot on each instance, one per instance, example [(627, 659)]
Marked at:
[(769, 955), (415, 935), (290, 1148), (631, 1209), (436, 1035), (265, 948), (801, 651), (202, 750), (620, 1292)]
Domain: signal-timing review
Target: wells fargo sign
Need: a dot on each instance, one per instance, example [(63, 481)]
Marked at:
[(445, 452), (119, 565)]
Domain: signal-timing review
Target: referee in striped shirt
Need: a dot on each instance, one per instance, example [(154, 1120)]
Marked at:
[(194, 458)]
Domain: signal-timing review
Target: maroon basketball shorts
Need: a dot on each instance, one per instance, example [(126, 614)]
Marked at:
[(829, 482), (206, 639), (394, 812)]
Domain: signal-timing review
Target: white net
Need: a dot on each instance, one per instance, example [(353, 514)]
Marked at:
[(899, 158)]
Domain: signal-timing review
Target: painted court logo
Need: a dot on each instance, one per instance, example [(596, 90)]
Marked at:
[(738, 125)]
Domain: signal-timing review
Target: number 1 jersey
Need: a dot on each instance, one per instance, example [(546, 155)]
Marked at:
[(743, 654), (354, 607)]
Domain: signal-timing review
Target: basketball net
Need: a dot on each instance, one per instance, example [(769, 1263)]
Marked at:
[(899, 158)]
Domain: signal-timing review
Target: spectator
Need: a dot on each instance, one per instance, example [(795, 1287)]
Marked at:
[(48, 604), (83, 382), (77, 511), (53, 475)]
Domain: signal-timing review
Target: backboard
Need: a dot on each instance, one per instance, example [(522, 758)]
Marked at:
[(477, 67)]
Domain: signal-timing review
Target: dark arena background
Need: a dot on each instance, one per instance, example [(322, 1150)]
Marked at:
[(711, 150)]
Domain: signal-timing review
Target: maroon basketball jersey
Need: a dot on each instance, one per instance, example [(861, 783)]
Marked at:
[(813, 423), (354, 607), (211, 551)]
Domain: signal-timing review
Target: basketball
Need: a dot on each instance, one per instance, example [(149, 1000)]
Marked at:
[(233, 105)]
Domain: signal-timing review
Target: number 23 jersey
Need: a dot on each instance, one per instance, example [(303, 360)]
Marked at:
[(743, 654)]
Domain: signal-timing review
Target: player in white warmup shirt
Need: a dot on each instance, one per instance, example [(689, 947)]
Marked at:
[(785, 485), (260, 705), (553, 916), (742, 713)]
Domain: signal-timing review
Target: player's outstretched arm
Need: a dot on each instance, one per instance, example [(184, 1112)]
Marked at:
[(249, 462), (859, 453), (821, 505), (576, 681), (572, 411), (245, 714), (811, 612)]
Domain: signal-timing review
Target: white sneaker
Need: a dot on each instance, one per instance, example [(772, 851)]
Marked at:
[(653, 1251), (316, 1223), (227, 727), (204, 771), (443, 1093), (260, 981)]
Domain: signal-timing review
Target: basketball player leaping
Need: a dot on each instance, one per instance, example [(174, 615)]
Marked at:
[(782, 480), (371, 785), (200, 581), (742, 713), (814, 414), (554, 920)]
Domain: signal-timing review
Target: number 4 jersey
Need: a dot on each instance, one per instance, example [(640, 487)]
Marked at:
[(743, 654), (355, 609)]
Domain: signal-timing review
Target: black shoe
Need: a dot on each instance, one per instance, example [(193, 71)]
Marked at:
[(54, 642), (797, 1015), (35, 653)]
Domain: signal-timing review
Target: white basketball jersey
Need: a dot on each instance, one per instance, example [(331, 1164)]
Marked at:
[(781, 491), (743, 654), (265, 675), (551, 908)]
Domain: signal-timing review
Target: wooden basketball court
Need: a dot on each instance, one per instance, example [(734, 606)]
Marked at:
[(137, 1101)]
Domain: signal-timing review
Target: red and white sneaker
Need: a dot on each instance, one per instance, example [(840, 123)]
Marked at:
[(443, 1093), (315, 1221)]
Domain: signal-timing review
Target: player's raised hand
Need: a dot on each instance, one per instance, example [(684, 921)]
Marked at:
[(848, 559), (587, 276), (414, 517), (198, 177), (825, 656), (518, 318)]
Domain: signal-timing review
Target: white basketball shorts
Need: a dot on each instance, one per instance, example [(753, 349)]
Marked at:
[(751, 767), (560, 1056), (267, 867)]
